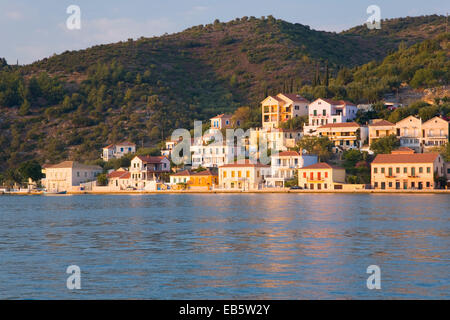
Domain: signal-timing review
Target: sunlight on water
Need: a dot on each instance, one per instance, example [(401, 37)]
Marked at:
[(253, 246)]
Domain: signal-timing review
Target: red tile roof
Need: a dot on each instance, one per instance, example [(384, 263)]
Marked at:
[(322, 165), (402, 150), (406, 158), (381, 123), (340, 125), (287, 154), (120, 174), (183, 173), (204, 173), (152, 159), (338, 102)]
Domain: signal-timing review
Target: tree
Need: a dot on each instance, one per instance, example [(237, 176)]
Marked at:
[(102, 179), (31, 169), (320, 146), (385, 145), (295, 123)]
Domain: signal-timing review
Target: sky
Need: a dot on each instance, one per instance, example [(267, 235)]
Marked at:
[(32, 30)]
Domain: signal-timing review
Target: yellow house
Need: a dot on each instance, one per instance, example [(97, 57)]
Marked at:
[(434, 133), (321, 176), (409, 130), (380, 128), (281, 108), (243, 176), (347, 135), (406, 170)]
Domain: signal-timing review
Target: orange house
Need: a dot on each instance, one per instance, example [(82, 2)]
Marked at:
[(203, 179)]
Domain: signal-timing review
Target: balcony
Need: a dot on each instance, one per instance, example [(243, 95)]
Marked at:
[(321, 180)]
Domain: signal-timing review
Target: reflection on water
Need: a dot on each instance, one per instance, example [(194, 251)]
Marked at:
[(259, 246)]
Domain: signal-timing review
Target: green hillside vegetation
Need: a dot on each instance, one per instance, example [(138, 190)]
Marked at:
[(70, 105)]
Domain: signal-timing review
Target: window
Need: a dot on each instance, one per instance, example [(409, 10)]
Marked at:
[(315, 112), (420, 170), (382, 170), (405, 170), (324, 112), (428, 184), (304, 175), (397, 170), (239, 174), (232, 174), (248, 174), (375, 170), (429, 170), (224, 174)]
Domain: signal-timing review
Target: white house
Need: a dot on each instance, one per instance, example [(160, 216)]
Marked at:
[(120, 179), (68, 175), (215, 155), (116, 151), (284, 166), (144, 169), (327, 111)]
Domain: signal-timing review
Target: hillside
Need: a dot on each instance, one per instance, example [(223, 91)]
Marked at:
[(71, 104), (409, 29)]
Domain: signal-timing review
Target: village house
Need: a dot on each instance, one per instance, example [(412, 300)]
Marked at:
[(145, 169), (404, 169), (120, 179), (181, 177), (447, 173), (169, 145), (223, 121), (68, 175), (409, 131), (346, 135), (203, 180), (243, 176), (276, 139), (321, 176), (379, 128), (434, 133), (116, 151), (281, 108), (284, 166), (325, 111), (215, 155)]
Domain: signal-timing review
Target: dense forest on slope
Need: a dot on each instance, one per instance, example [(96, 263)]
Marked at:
[(72, 104), (425, 64)]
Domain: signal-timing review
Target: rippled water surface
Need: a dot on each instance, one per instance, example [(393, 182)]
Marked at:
[(253, 246)]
